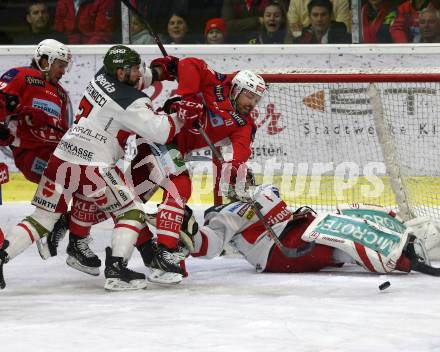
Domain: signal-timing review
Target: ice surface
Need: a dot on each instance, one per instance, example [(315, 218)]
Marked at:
[(223, 306)]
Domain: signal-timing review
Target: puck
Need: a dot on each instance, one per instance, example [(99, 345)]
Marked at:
[(384, 285)]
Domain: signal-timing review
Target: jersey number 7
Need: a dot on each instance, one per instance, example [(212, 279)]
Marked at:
[(84, 109)]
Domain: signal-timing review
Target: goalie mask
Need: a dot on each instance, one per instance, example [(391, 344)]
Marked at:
[(53, 50), (247, 80)]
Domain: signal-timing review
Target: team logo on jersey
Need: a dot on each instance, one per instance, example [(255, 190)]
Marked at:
[(216, 120), (220, 76), (49, 189), (250, 214), (219, 92), (10, 75), (242, 211), (48, 107), (38, 166), (34, 81), (239, 120), (234, 207)]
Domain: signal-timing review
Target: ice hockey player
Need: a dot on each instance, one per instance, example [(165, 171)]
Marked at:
[(35, 116), (367, 235), (221, 105), (84, 163)]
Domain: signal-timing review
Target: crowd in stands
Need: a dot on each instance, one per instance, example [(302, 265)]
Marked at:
[(221, 21)]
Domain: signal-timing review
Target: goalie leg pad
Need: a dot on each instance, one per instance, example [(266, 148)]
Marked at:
[(425, 229), (374, 247)]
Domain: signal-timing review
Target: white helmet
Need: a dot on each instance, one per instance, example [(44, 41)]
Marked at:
[(247, 80), (54, 50)]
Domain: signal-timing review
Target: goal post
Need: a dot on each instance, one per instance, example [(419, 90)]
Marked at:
[(333, 137)]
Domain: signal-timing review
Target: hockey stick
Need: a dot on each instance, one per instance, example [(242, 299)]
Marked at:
[(147, 25), (2, 278), (288, 252)]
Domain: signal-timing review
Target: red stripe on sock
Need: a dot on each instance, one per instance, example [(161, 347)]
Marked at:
[(29, 232), (131, 227)]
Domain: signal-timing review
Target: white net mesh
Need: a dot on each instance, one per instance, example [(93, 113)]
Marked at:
[(319, 143)]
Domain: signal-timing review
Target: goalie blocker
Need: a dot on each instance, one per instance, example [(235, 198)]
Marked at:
[(367, 235)]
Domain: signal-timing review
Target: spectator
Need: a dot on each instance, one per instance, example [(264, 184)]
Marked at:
[(429, 23), (298, 15), (177, 29), (138, 33), (376, 17), (86, 22), (40, 27), (322, 29), (215, 31), (158, 12), (405, 28), (243, 17), (274, 26)]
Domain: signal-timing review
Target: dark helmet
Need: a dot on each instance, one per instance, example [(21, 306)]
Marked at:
[(120, 56)]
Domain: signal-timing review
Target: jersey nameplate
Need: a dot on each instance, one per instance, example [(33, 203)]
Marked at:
[(34, 81), (240, 121)]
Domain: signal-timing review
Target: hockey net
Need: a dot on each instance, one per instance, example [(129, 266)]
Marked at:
[(334, 137)]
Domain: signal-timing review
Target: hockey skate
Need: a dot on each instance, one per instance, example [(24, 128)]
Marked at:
[(119, 277), (81, 257), (165, 267), (147, 251), (58, 233), (190, 227), (416, 252)]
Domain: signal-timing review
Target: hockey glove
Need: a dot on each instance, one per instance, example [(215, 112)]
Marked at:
[(8, 103), (6, 138), (165, 67), (188, 111), (233, 182), (167, 106), (35, 117), (3, 110)]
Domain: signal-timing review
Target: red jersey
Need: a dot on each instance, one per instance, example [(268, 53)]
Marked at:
[(31, 88), (220, 121), (406, 28), (92, 23)]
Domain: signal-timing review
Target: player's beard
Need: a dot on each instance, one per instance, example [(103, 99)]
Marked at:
[(131, 82)]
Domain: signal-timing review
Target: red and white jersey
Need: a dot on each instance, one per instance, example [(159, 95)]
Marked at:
[(32, 89), (238, 225), (221, 122), (109, 112)]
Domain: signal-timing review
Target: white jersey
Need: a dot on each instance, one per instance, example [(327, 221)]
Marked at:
[(238, 225), (108, 113)]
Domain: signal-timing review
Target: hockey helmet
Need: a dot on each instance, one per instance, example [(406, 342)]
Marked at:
[(53, 49), (120, 56), (246, 79)]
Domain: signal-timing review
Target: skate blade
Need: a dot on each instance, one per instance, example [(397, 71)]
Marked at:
[(43, 249), (158, 276), (113, 284), (74, 263)]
